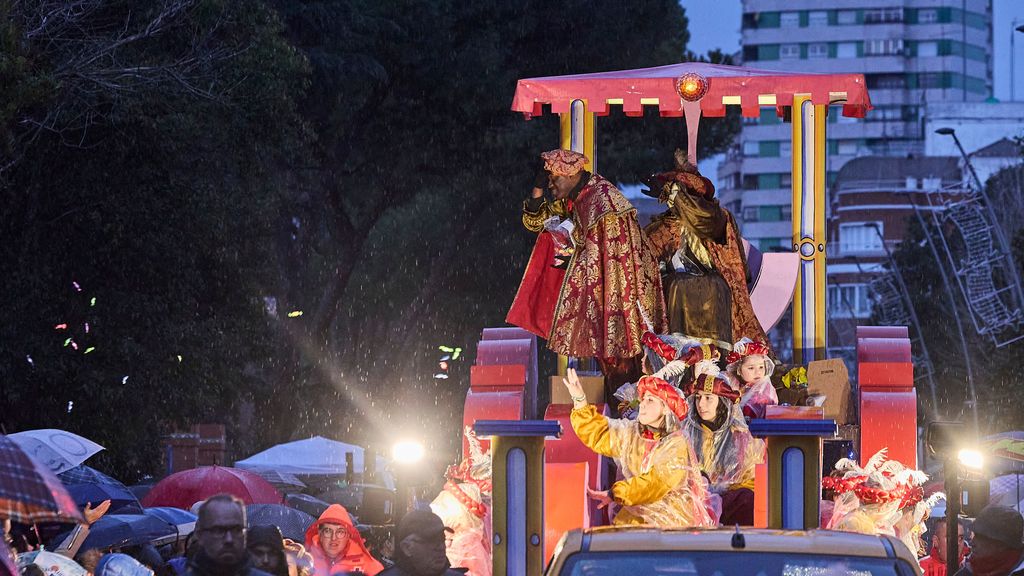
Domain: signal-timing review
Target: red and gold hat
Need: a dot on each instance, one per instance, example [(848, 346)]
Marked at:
[(745, 348), (666, 392), (712, 384), (564, 162)]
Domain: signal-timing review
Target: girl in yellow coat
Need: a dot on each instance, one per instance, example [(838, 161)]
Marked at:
[(662, 484)]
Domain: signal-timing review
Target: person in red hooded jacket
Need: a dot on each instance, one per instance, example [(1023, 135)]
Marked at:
[(336, 545)]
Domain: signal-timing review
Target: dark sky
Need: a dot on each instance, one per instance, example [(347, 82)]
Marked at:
[(716, 24)]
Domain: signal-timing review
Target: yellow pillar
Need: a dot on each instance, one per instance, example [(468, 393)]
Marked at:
[(809, 202), (577, 134)]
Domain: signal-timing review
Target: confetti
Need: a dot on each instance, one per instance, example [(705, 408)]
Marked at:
[(448, 349), (440, 376), (89, 349), (66, 342), (295, 313), (179, 357), (61, 327), (30, 362), (86, 327), (92, 302), (455, 355), (77, 287), (74, 345), (124, 380), (71, 404)]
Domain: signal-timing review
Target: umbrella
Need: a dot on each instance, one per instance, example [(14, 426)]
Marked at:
[(57, 449), (185, 488), (29, 491), (182, 520), (280, 479), (51, 564), (306, 503), (90, 485), (293, 523), (117, 530), (316, 455)]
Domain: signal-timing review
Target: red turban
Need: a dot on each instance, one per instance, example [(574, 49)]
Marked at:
[(664, 391), (711, 384), (563, 162)]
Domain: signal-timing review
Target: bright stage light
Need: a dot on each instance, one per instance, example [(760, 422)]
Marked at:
[(971, 459), (408, 452)]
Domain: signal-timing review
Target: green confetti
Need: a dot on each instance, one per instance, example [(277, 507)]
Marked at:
[(93, 301), (457, 352), (89, 349), (446, 349), (66, 342), (295, 314)]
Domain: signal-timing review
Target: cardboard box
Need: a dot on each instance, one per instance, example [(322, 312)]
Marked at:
[(593, 387), (831, 379)]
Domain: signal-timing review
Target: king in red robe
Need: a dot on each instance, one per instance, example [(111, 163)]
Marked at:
[(590, 268)]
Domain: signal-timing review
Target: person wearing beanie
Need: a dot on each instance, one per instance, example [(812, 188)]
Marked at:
[(266, 548), (420, 547), (997, 548), (662, 484)]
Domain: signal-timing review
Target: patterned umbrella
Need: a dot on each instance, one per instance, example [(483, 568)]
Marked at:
[(51, 564), (90, 485), (185, 488), (293, 523), (57, 449), (29, 491)]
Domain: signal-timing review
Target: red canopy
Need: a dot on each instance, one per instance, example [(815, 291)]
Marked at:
[(185, 488), (727, 85)]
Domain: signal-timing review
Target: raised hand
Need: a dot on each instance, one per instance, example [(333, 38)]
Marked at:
[(575, 388)]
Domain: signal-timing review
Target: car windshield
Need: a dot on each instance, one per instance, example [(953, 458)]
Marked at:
[(680, 563)]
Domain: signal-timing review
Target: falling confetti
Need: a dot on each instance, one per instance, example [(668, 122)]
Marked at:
[(74, 345), (77, 287), (92, 302), (179, 357), (440, 376), (30, 362), (67, 342), (295, 313), (124, 380), (61, 327), (455, 355), (89, 349), (71, 404), (86, 327)]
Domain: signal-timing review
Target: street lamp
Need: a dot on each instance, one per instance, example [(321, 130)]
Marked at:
[(407, 454), (971, 459)]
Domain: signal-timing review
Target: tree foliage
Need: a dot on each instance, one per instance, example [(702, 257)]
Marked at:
[(206, 167)]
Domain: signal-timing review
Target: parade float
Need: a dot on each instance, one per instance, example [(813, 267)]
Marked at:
[(541, 472)]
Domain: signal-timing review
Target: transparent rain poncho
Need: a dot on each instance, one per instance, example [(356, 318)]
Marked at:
[(754, 395), (662, 483), (727, 455)]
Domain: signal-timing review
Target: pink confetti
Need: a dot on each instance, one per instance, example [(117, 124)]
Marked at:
[(61, 327), (86, 327), (77, 287), (74, 345)]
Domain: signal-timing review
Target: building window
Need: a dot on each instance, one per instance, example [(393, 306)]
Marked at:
[(883, 47), (927, 49), (883, 15), (846, 50), (886, 81), (849, 301), (785, 180), (817, 18), (927, 16), (751, 148), (817, 50), (789, 51), (911, 183), (860, 237), (789, 20), (786, 148), (848, 147), (846, 17), (750, 214), (772, 244), (769, 213)]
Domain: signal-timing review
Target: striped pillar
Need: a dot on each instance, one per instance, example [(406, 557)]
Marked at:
[(809, 203)]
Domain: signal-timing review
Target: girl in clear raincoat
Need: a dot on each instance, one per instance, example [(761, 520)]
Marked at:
[(722, 444), (662, 483), (750, 371)]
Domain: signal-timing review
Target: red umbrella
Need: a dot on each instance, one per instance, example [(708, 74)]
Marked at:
[(29, 490), (185, 488)]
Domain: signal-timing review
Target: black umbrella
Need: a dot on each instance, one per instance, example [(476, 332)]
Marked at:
[(293, 523)]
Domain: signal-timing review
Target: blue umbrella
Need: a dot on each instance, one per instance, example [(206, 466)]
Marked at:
[(182, 520), (90, 485), (119, 530)]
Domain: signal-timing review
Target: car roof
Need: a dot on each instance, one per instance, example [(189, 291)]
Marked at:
[(756, 540)]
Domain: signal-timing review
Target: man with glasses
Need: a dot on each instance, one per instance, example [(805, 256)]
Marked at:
[(220, 537), (420, 547), (336, 545)]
